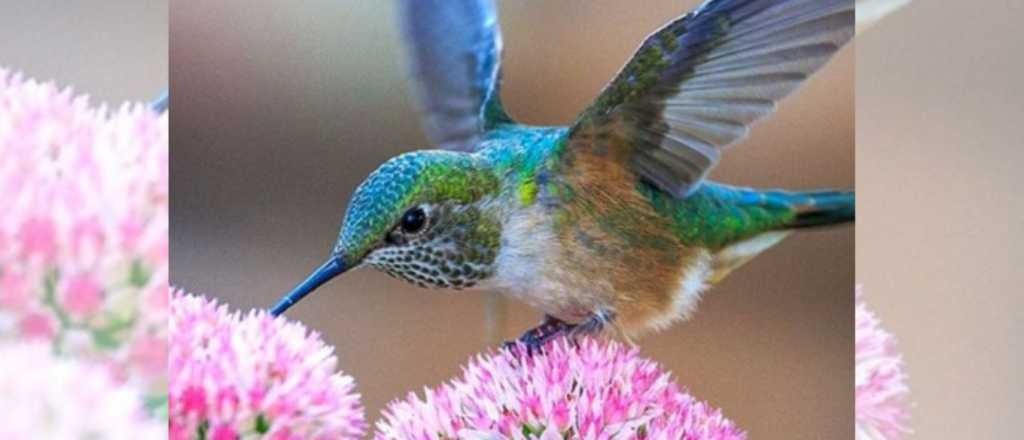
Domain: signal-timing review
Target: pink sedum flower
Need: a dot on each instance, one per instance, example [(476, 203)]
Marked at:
[(596, 390), (254, 376), (48, 397), (880, 389), (83, 295), (83, 229)]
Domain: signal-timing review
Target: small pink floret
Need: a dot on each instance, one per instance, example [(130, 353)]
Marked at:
[(83, 295), (879, 380), (37, 326)]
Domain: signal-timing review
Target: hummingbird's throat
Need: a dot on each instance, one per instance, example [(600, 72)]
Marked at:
[(430, 267)]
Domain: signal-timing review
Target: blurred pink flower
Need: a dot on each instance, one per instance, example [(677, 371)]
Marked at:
[(48, 397), (252, 375), (37, 326), (82, 295), (881, 413), (593, 390), (83, 229), (14, 292)]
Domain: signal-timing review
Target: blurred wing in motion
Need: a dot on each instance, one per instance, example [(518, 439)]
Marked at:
[(870, 11), (698, 84), (455, 55), (162, 102)]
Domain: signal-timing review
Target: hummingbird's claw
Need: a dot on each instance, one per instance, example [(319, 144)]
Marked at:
[(535, 338), (593, 325)]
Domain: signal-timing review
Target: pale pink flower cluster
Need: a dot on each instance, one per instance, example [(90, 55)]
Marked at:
[(879, 380), (254, 376), (43, 396), (591, 390), (83, 228)]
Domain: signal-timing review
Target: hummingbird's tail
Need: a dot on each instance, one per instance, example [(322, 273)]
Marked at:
[(794, 210), (819, 208), (798, 209), (739, 223)]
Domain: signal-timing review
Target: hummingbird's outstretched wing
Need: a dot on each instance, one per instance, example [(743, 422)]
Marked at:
[(455, 55), (870, 11), (698, 84)]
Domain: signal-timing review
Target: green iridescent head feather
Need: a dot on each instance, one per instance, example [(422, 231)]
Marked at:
[(421, 177)]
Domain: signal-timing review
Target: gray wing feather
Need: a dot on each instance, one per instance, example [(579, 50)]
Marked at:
[(715, 72), (454, 48)]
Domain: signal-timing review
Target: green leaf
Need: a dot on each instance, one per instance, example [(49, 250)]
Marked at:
[(529, 431), (156, 405), (262, 424), (105, 340), (112, 335), (202, 429), (139, 276)]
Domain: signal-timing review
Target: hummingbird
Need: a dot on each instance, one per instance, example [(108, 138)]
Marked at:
[(610, 222)]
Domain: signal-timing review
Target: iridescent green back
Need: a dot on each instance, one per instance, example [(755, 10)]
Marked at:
[(713, 215)]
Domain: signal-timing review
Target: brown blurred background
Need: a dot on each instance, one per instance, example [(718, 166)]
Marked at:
[(112, 50), (280, 110), (940, 225)]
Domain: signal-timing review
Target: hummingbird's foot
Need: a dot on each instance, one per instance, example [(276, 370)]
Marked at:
[(592, 326), (537, 337)]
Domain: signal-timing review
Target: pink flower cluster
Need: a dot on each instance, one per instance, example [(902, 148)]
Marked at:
[(593, 390), (879, 380), (83, 228), (254, 376), (43, 396)]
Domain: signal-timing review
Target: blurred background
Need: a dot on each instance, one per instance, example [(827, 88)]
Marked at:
[(113, 50), (940, 222), (281, 109)]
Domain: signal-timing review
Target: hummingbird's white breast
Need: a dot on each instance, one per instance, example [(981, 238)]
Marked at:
[(527, 268)]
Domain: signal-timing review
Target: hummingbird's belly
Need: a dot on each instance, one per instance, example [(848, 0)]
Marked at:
[(528, 272), (561, 278), (555, 297), (528, 269)]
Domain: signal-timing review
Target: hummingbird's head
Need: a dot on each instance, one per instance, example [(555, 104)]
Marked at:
[(426, 217)]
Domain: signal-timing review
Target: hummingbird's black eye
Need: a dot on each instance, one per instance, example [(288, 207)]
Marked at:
[(413, 220)]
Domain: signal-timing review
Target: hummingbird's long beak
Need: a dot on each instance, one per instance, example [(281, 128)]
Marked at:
[(332, 268)]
